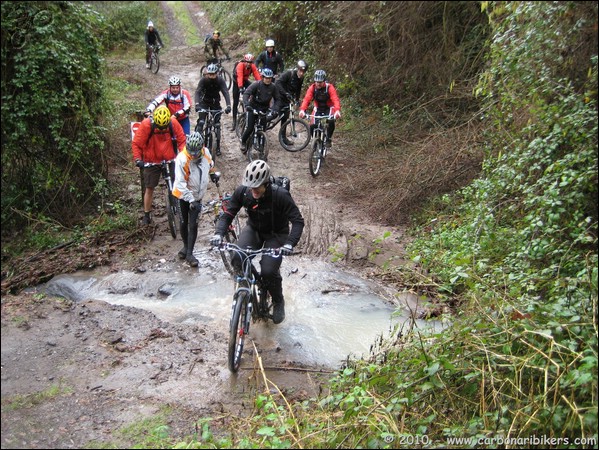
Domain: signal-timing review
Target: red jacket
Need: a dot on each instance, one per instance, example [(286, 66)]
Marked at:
[(242, 73), (158, 147), (325, 97)]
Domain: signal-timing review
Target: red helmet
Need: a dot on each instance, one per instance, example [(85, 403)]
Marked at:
[(248, 57)]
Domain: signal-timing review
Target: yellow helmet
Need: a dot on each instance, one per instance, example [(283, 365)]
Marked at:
[(162, 117)]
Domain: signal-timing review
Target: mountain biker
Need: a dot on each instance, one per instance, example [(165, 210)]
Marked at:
[(270, 59), (259, 96), (270, 210), (193, 166), (158, 139), (290, 85), (213, 47), (151, 37), (241, 80), (325, 97), (207, 96), (178, 101)]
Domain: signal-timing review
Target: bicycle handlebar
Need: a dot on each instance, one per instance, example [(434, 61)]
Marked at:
[(161, 164), (214, 112), (260, 113), (274, 252), (328, 117)]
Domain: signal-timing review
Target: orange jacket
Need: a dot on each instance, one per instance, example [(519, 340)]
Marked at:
[(158, 146)]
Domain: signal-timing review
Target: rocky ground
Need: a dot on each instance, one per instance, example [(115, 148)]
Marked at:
[(76, 372)]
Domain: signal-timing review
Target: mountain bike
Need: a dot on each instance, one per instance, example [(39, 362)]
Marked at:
[(211, 130), (321, 143), (218, 207), (222, 72), (294, 130), (251, 302), (154, 58), (173, 210), (256, 147)]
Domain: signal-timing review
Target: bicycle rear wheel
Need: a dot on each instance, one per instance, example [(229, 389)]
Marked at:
[(154, 62), (295, 131), (227, 77), (238, 328), (316, 158)]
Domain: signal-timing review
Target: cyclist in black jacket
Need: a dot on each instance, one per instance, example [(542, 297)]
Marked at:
[(290, 86), (207, 96), (151, 37), (270, 59), (270, 210), (259, 95)]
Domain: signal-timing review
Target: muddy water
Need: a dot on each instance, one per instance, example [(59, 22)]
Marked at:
[(330, 314)]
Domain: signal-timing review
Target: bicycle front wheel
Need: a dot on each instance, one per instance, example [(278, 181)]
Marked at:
[(294, 135), (238, 328), (240, 128), (210, 143), (257, 147), (316, 158), (154, 63), (227, 77), (226, 255)]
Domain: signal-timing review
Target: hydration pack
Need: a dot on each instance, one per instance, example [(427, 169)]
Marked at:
[(283, 182)]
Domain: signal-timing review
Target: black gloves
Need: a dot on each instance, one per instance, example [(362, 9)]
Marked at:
[(139, 163), (214, 177), (227, 110), (216, 240), (196, 205)]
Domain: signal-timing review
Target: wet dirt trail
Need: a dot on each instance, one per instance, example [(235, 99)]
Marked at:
[(75, 372)]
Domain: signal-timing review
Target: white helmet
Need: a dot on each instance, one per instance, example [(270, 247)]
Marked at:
[(269, 43), (150, 24), (256, 174)]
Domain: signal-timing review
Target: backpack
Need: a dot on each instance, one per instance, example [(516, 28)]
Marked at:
[(207, 38), (283, 182), (173, 138)]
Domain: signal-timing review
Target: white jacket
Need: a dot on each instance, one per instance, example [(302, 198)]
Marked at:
[(192, 175)]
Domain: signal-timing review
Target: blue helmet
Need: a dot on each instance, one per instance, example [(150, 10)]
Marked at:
[(267, 73)]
